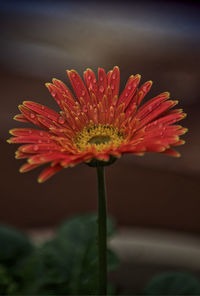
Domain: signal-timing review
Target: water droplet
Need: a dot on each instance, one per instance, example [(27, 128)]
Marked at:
[(83, 93), (85, 109), (61, 120), (35, 148), (43, 107), (112, 86), (129, 87), (89, 77), (53, 93), (101, 88), (41, 134), (32, 115)]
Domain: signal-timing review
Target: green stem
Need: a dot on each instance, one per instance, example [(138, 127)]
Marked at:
[(102, 231)]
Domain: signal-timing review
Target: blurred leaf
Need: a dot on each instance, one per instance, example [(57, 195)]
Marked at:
[(68, 264), (14, 246), (8, 286), (173, 283)]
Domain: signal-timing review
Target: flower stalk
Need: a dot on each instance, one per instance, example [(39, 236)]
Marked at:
[(102, 232)]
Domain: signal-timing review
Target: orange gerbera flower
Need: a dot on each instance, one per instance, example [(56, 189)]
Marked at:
[(97, 124)]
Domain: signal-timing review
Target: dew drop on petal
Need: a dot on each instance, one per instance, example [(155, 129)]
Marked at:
[(53, 93), (32, 115), (101, 88), (43, 107), (85, 109), (89, 77), (35, 148), (61, 120)]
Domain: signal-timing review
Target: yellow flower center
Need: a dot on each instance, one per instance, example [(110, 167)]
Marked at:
[(101, 136)]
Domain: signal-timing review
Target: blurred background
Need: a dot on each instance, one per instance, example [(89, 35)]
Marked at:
[(158, 39)]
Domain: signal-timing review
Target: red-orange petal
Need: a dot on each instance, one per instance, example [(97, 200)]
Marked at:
[(79, 87), (42, 110), (141, 93), (21, 118), (130, 89), (49, 172), (149, 115), (28, 167)]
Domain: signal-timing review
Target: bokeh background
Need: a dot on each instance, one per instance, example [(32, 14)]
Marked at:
[(158, 39)]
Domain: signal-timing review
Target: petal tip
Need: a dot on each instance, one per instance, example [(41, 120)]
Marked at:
[(47, 84)]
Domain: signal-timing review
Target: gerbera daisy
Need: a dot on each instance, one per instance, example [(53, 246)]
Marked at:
[(96, 124)]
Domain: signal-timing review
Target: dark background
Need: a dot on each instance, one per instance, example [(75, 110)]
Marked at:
[(158, 39)]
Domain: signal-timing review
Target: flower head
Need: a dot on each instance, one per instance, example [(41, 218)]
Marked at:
[(96, 123)]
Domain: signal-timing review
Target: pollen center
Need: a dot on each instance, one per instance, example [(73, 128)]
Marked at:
[(100, 136), (100, 139)]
